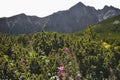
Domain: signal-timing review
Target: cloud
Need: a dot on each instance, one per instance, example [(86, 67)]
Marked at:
[(46, 7)]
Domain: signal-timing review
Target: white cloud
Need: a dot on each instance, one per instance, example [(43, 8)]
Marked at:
[(46, 7)]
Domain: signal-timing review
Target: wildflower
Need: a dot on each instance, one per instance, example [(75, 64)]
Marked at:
[(67, 50), (61, 71), (59, 74), (61, 68), (106, 45)]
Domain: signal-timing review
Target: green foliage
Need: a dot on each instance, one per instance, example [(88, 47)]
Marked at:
[(109, 28), (38, 56)]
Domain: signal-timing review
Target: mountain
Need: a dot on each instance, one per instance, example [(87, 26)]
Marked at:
[(21, 24), (109, 28), (107, 12), (75, 19)]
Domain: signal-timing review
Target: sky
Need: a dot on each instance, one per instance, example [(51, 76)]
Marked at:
[(44, 8)]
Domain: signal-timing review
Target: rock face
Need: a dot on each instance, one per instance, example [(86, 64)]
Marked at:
[(21, 24), (107, 12), (72, 20)]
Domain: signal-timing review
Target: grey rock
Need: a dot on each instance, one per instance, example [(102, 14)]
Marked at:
[(75, 19)]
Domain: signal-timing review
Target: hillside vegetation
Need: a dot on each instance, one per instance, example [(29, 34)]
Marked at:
[(109, 28), (88, 55)]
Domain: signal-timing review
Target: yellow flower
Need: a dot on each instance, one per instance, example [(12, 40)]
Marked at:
[(106, 45)]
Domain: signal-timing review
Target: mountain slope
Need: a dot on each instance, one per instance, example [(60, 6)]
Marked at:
[(20, 24), (72, 20), (78, 17), (109, 28)]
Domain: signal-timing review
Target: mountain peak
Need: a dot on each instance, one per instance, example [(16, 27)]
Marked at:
[(106, 7), (78, 5), (22, 15)]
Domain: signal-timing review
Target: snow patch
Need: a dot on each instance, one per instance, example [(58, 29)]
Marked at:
[(108, 14), (116, 22)]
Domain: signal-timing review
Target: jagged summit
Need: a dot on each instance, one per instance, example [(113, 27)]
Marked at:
[(78, 6), (75, 19), (106, 7)]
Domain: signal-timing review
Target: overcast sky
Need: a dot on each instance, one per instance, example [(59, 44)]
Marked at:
[(43, 8)]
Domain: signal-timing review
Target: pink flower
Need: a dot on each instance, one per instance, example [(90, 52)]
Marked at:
[(60, 71), (59, 74), (67, 50), (61, 68)]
